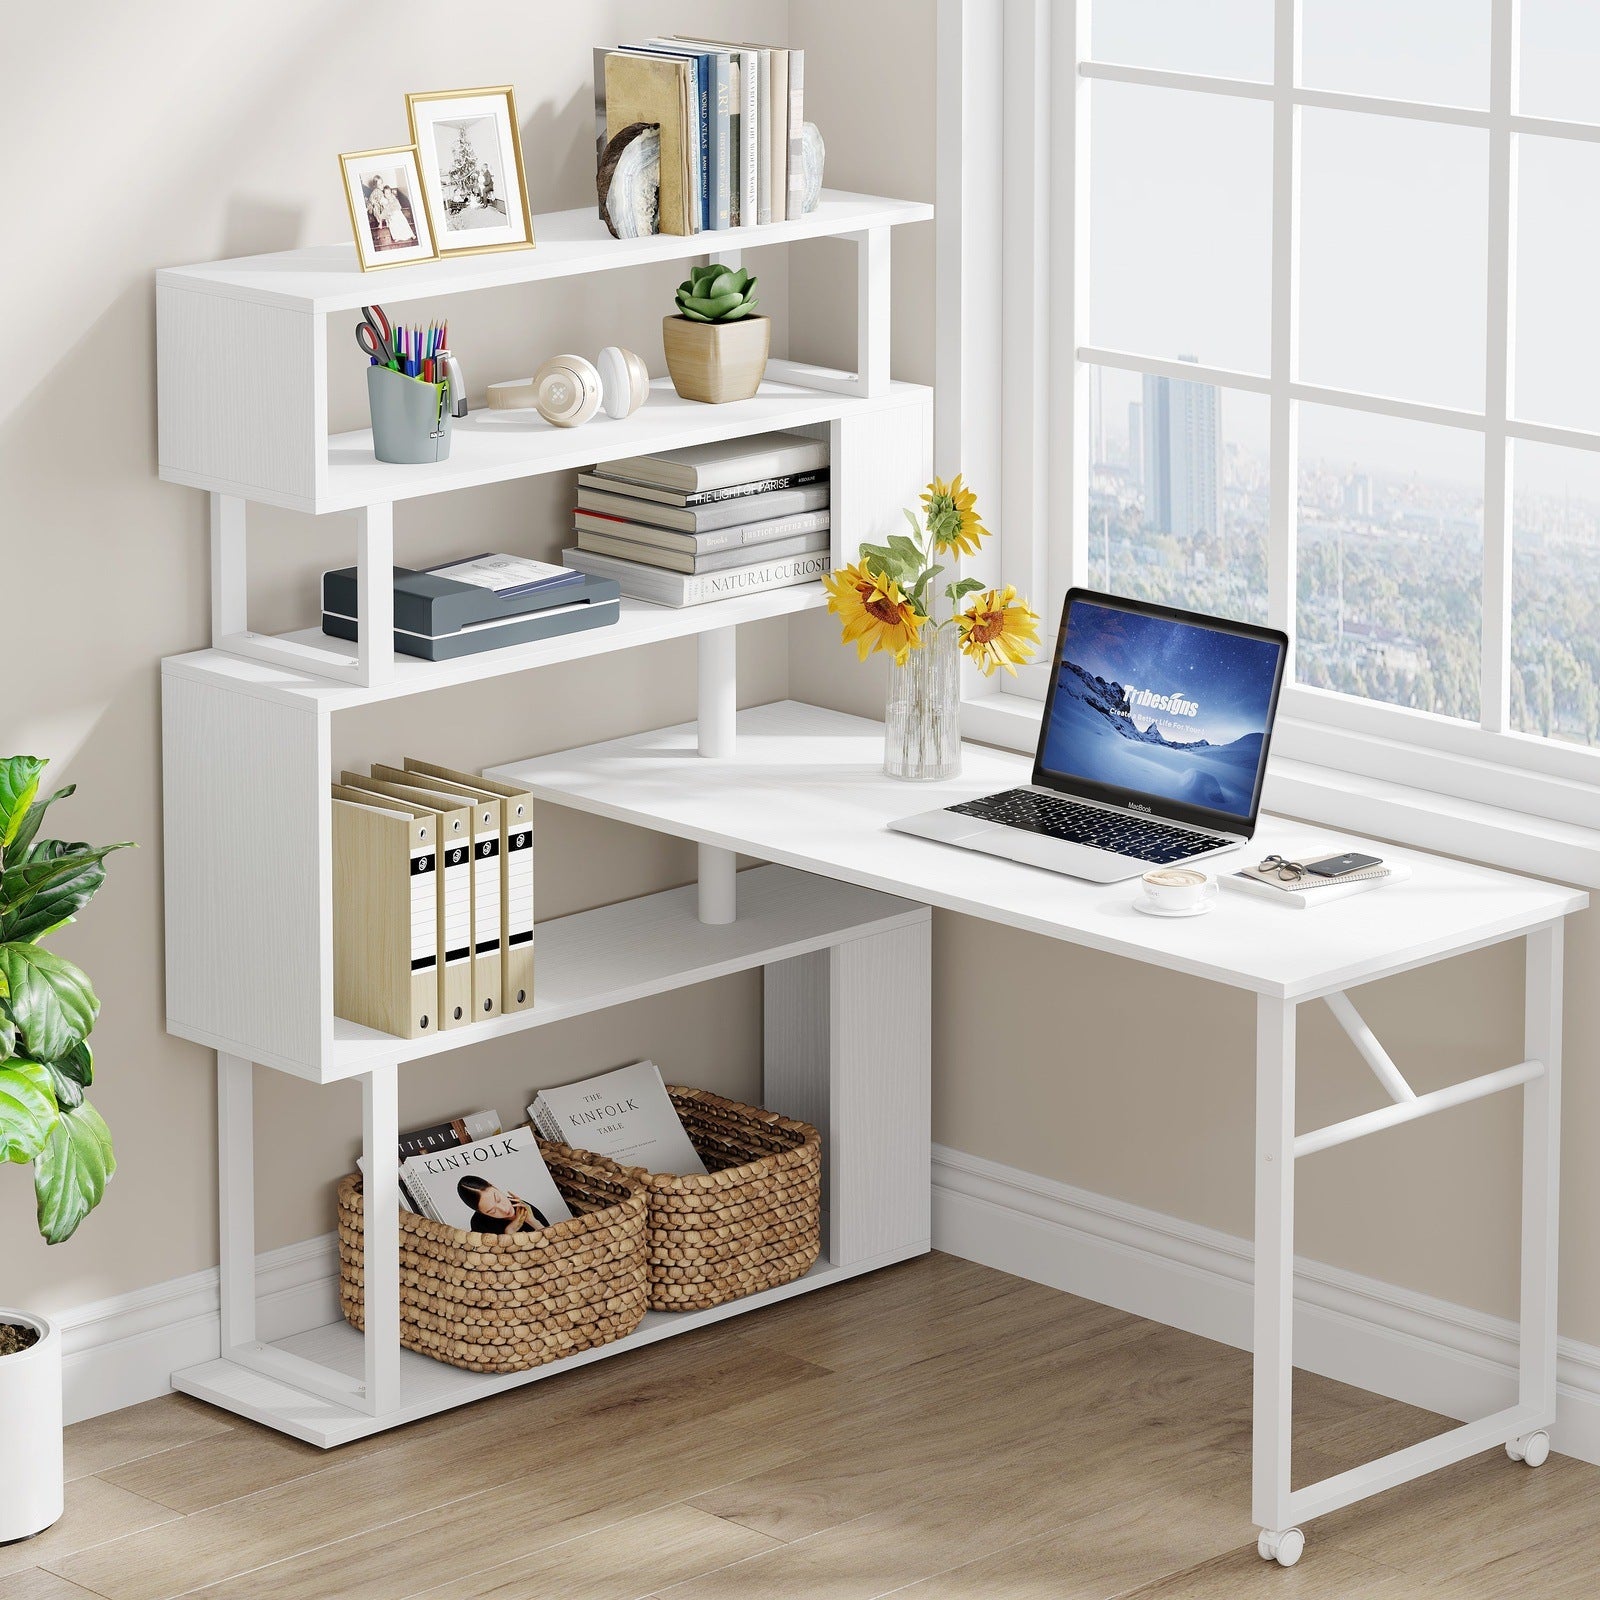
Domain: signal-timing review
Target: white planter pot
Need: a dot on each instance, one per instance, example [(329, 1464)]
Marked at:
[(32, 1477)]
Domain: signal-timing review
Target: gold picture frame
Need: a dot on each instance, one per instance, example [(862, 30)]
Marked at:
[(463, 196), (377, 244)]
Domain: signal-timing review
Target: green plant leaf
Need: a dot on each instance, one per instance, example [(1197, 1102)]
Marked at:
[(920, 593), (693, 316), (8, 1032), (959, 591), (67, 1090), (27, 1110), (71, 1172), (738, 312), (33, 816), (77, 1064), (48, 890), (50, 998), (19, 783), (710, 305)]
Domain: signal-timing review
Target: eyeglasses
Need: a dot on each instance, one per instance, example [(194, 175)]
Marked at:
[(1284, 870)]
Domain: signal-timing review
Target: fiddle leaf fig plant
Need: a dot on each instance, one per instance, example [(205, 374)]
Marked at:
[(47, 1007)]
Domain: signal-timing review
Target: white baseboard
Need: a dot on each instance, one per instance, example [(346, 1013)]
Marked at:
[(121, 1351), (1388, 1340), (1391, 1341)]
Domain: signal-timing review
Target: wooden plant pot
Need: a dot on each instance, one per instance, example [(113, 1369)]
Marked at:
[(716, 361)]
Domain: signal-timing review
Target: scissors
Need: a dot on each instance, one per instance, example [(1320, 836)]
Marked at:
[(373, 334)]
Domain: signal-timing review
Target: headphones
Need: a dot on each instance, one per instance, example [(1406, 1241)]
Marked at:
[(568, 390)]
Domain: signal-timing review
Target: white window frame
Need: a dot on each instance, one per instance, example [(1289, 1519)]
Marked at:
[(1016, 83)]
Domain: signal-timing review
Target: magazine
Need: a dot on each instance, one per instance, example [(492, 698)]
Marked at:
[(439, 1136), (494, 1185), (626, 1115)]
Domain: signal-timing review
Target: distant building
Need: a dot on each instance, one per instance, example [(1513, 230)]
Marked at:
[(1358, 496), (1136, 444), (1182, 433)]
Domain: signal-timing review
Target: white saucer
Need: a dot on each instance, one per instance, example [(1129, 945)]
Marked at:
[(1142, 902)]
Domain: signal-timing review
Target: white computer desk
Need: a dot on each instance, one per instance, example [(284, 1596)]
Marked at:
[(803, 786)]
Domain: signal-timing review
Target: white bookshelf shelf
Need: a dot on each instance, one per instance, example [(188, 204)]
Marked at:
[(324, 278), (639, 623)]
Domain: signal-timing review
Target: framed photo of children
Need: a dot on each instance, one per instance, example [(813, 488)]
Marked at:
[(471, 161), (384, 191)]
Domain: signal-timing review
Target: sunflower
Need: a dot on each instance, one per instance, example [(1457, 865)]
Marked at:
[(952, 516), (998, 630), (876, 615)]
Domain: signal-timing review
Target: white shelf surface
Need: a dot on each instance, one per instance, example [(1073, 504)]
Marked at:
[(806, 788), (639, 623), (635, 948), (323, 278), (428, 1386), (496, 446)]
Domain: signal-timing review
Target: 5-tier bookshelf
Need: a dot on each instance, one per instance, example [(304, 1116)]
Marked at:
[(247, 738)]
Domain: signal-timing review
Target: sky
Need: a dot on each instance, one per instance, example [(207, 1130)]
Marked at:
[(1228, 677), (1393, 218)]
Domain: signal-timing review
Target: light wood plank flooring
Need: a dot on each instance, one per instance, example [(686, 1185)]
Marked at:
[(937, 1431)]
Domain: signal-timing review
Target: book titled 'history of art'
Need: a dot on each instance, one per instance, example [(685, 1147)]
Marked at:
[(626, 1115)]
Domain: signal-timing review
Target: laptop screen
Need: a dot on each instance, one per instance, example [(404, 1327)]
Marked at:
[(1161, 710)]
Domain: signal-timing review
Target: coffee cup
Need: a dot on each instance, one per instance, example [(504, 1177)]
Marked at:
[(1178, 888)]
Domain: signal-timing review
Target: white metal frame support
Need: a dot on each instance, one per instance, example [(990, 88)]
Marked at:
[(373, 661), (380, 1187), (874, 282), (1521, 1428), (717, 663)]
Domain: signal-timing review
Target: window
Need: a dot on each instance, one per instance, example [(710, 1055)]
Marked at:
[(1325, 287)]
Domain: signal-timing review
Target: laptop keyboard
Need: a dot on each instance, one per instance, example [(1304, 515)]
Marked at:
[(1122, 834)]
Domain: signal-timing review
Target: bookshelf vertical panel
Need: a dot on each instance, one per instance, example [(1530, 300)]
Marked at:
[(249, 966), (880, 1093), (881, 461), (794, 1052), (229, 420)]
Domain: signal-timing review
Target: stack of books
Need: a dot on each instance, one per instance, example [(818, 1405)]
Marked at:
[(730, 118), (707, 522)]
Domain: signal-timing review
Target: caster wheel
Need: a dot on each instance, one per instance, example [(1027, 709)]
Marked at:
[(1285, 1548), (1533, 1449)]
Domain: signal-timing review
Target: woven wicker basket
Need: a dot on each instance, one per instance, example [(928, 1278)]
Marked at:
[(504, 1303), (751, 1222)]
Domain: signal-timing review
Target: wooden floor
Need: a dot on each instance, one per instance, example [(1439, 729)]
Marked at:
[(937, 1431)]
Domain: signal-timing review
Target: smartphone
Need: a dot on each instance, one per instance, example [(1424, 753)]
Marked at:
[(1337, 866)]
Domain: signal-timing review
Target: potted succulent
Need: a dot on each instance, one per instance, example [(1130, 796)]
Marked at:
[(716, 347), (47, 1009)]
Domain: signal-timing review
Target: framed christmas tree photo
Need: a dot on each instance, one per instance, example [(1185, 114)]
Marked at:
[(471, 160)]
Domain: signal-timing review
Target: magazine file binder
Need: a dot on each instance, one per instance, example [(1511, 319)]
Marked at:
[(385, 917)]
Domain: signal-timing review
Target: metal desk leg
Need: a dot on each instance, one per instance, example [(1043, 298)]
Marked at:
[(1541, 1193), (1280, 1541)]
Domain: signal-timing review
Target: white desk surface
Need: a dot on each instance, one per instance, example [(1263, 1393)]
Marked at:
[(806, 788)]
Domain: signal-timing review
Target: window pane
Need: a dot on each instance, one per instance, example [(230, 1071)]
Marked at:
[(1561, 59), (1223, 39), (1390, 560), (1555, 594), (1557, 244), (1433, 50), (1180, 229), (1393, 247), (1178, 493)]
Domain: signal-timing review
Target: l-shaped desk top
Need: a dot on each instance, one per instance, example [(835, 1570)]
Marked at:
[(806, 788)]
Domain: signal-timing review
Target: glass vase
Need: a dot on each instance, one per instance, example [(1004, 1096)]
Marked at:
[(922, 724)]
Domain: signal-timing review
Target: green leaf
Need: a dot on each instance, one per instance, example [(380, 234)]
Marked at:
[(67, 1090), (8, 1030), (33, 817), (738, 312), (693, 316), (50, 998), (19, 783), (48, 890), (71, 1173), (919, 594), (27, 1110), (77, 1064), (717, 305), (959, 591)]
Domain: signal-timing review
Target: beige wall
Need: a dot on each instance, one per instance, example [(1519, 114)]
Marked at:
[(1131, 1083)]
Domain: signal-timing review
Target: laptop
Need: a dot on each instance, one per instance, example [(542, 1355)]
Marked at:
[(1152, 748)]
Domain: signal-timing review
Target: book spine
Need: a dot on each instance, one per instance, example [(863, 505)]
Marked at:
[(736, 211), (764, 136), (600, 54), (750, 131), (702, 73), (797, 122), (751, 580), (722, 94)]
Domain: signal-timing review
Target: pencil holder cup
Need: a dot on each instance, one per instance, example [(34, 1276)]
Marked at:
[(410, 418)]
